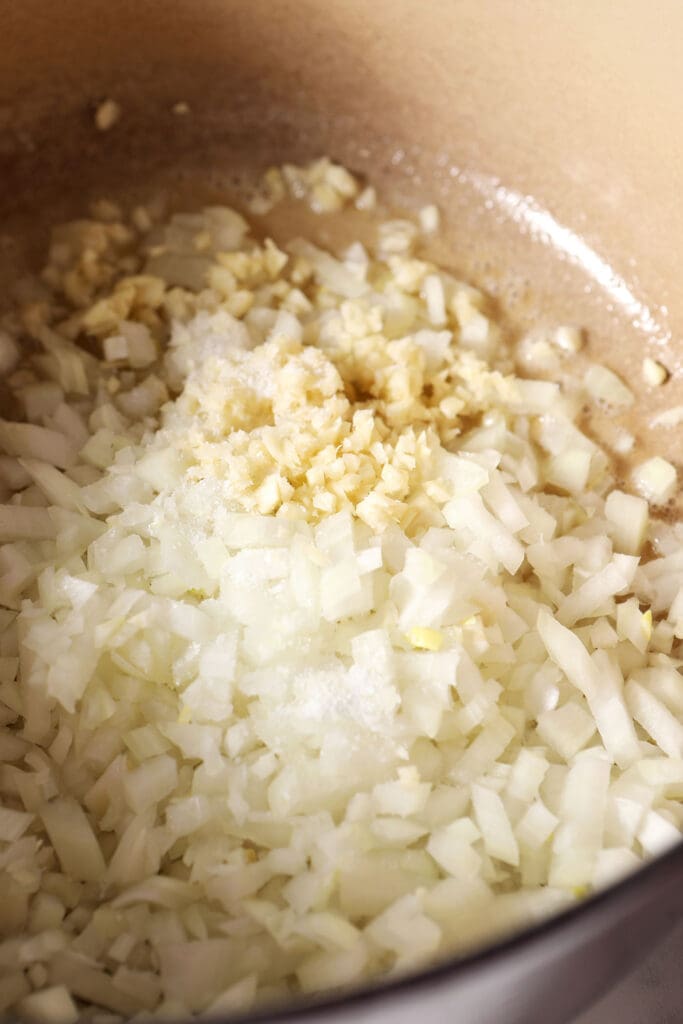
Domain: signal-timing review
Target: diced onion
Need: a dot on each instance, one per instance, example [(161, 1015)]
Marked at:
[(327, 644)]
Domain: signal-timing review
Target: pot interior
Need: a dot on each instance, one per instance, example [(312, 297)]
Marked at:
[(538, 129), (542, 131)]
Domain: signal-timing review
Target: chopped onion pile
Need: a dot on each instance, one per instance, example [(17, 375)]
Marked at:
[(327, 645)]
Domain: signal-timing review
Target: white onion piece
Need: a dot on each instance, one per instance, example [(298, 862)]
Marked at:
[(50, 1006), (27, 439), (57, 488), (9, 353), (73, 839), (21, 523)]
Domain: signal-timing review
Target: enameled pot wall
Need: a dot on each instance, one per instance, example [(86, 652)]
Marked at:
[(551, 135), (530, 122)]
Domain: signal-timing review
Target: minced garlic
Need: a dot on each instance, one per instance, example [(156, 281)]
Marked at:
[(346, 402), (654, 373)]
